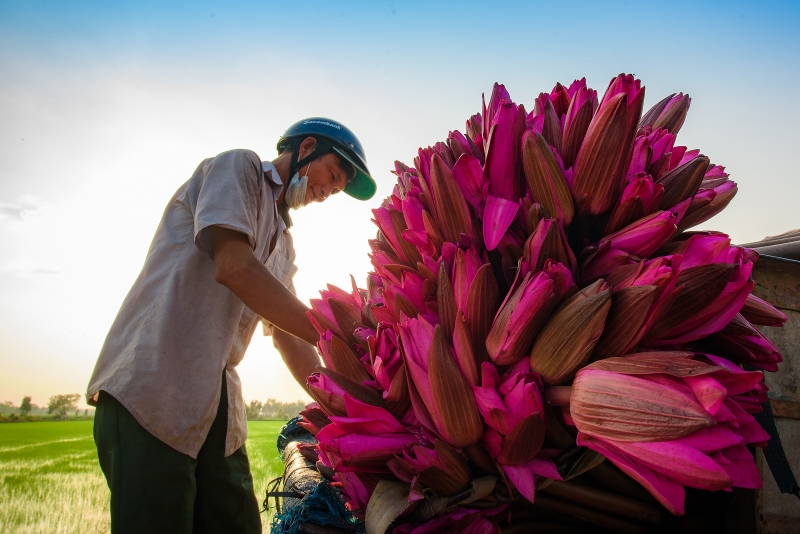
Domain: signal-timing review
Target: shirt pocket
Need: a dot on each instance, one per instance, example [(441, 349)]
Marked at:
[(281, 262)]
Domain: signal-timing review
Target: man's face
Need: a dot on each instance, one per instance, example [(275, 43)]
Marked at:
[(325, 177)]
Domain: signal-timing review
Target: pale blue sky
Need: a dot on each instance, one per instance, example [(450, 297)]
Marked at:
[(107, 107)]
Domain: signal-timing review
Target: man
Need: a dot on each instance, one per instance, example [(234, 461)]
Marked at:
[(170, 425)]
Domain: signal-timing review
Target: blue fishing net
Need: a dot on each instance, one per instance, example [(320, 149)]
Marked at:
[(322, 506)]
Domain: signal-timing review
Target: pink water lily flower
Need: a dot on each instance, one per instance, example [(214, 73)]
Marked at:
[(559, 234), (440, 394), (603, 158), (640, 198), (511, 405), (668, 114), (669, 422), (644, 236), (438, 467), (503, 166), (726, 286), (525, 310), (582, 106), (364, 439)]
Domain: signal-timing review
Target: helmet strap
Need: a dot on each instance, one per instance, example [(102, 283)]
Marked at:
[(295, 163)]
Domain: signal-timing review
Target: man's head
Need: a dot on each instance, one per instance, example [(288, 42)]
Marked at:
[(324, 141), (327, 174)]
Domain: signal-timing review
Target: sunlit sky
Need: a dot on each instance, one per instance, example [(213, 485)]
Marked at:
[(107, 107)]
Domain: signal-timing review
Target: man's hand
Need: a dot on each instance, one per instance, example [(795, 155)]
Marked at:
[(300, 358), (238, 269)]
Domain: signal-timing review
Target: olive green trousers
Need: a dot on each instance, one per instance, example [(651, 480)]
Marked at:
[(156, 489)]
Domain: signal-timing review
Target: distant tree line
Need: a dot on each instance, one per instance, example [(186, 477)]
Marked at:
[(62, 406), (273, 409), (58, 407)]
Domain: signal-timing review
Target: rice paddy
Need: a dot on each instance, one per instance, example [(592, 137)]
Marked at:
[(50, 481)]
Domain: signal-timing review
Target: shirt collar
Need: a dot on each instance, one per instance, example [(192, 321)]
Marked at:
[(273, 178)]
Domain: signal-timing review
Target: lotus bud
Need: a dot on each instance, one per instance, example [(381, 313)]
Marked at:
[(475, 135), (669, 113), (569, 337), (455, 412), (442, 468), (706, 247), (458, 144), (711, 296), (601, 261), (392, 225), (314, 419), (465, 267), (762, 313), (546, 179), (640, 157), (603, 158), (563, 284), (683, 182), (640, 197), (560, 96), (327, 393), (468, 174), (361, 392), (444, 152), (548, 242), (445, 299), (362, 451), (669, 420), (338, 356), (619, 407), (551, 124), (511, 405), (659, 272), (520, 318), (708, 203), (581, 109), (715, 175), (645, 236), (630, 308), (482, 305), (536, 213), (498, 97), (451, 209), (742, 342), (503, 147)]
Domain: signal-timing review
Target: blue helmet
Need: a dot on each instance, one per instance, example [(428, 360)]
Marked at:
[(339, 139)]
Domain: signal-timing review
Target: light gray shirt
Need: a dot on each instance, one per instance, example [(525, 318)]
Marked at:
[(178, 330)]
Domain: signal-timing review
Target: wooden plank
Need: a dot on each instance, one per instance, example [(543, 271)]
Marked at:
[(787, 409), (778, 282)]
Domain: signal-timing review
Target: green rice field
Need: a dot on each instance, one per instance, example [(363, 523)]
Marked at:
[(50, 481)]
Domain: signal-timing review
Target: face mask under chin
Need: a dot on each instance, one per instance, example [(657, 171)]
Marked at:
[(295, 196)]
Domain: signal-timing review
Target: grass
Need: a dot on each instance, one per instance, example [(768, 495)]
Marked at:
[(50, 481)]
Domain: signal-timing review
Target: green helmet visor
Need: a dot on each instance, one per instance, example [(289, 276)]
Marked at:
[(362, 186)]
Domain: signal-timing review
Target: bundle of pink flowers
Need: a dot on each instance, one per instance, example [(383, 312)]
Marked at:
[(535, 272)]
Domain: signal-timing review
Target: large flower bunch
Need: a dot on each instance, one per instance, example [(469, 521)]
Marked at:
[(535, 291)]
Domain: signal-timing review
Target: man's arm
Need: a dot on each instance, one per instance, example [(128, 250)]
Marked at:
[(300, 357), (238, 269)]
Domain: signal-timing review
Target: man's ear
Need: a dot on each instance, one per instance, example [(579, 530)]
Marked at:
[(307, 146)]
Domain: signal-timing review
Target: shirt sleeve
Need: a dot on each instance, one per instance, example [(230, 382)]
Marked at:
[(229, 197)]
